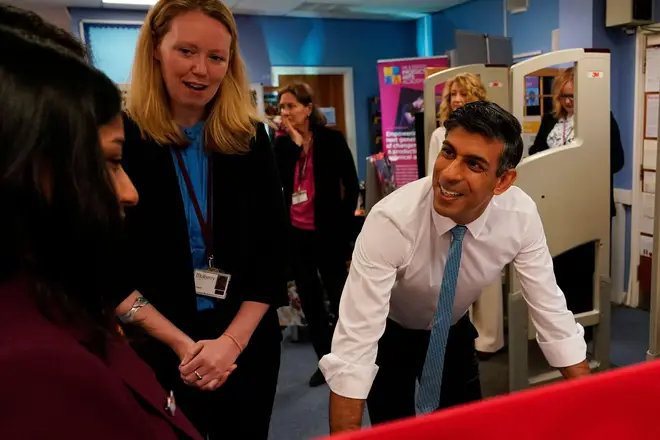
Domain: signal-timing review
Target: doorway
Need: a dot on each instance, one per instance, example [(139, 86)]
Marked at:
[(333, 91)]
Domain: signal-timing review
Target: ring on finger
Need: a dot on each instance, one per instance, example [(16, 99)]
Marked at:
[(198, 375)]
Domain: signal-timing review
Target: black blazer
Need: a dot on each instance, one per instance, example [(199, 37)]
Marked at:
[(616, 148), (249, 232), (335, 181)]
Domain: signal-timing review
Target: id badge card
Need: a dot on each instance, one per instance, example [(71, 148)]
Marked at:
[(299, 197), (211, 283)]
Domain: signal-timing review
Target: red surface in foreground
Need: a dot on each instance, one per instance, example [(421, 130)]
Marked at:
[(621, 404)]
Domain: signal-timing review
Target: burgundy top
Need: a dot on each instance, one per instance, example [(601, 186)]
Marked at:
[(53, 387), (302, 214)]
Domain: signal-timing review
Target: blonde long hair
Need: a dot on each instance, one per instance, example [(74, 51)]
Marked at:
[(558, 110), (230, 123), (472, 86)]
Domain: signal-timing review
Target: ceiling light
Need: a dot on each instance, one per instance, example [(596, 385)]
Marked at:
[(131, 2), (376, 10)]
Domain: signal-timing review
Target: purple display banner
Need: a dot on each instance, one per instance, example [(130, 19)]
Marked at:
[(401, 97)]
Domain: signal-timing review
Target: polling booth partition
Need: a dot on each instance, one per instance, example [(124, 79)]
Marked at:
[(570, 186)]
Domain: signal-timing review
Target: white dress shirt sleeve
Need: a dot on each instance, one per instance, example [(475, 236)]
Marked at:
[(435, 145), (561, 339), (350, 368)]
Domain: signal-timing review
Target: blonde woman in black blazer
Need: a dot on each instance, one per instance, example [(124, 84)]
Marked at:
[(321, 191), (211, 201)]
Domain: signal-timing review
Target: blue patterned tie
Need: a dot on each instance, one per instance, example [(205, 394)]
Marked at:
[(428, 394)]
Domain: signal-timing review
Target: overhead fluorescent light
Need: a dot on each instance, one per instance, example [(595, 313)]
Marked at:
[(130, 2), (375, 10)]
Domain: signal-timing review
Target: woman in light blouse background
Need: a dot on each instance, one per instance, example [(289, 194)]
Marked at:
[(458, 91)]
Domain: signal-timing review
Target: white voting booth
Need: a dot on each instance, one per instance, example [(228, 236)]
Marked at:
[(570, 186)]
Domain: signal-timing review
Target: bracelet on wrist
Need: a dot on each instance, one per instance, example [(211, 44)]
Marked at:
[(233, 338), (129, 316)]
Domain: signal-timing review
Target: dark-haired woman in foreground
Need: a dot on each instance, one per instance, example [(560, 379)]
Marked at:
[(61, 356), (133, 310)]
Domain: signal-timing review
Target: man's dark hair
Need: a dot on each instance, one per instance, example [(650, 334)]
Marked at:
[(492, 122), (30, 23)]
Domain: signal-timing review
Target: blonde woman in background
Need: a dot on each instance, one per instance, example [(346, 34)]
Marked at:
[(487, 312), (458, 91), (211, 209)]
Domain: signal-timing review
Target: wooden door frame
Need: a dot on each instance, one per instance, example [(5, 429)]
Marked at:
[(349, 94)]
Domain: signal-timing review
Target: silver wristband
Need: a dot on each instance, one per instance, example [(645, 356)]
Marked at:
[(129, 316)]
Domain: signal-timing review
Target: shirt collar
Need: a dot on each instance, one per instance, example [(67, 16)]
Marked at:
[(194, 132), (445, 224)]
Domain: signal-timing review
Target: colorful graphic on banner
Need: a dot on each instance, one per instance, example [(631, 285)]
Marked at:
[(401, 97), (532, 91)]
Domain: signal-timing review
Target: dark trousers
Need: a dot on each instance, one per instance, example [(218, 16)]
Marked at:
[(574, 270), (242, 407), (400, 360), (311, 257)]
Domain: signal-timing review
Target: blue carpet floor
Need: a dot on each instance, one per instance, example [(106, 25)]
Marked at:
[(301, 412)]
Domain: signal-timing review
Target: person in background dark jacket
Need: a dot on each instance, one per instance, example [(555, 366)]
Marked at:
[(574, 268), (59, 258), (321, 191)]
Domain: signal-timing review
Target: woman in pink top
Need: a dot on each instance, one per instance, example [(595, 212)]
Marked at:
[(321, 191)]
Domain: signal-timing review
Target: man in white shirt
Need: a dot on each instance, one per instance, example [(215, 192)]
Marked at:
[(405, 256)]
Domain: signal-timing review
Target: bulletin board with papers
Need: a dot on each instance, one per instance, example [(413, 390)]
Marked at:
[(648, 172)]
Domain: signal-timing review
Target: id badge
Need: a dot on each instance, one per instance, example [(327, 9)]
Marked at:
[(212, 283), (299, 197)]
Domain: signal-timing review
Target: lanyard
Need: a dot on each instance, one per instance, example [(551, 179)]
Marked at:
[(563, 132), (302, 171), (206, 226)]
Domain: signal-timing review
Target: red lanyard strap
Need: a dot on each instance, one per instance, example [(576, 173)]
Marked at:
[(206, 226), (302, 170)]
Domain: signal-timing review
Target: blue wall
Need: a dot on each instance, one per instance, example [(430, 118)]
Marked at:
[(283, 41), (622, 83), (532, 30), (481, 16), (529, 31), (576, 23)]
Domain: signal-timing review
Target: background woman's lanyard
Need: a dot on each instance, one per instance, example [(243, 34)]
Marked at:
[(302, 172), (563, 132), (303, 169), (206, 226)]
